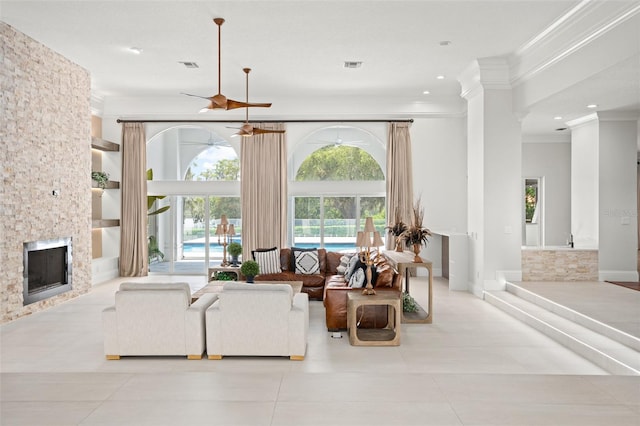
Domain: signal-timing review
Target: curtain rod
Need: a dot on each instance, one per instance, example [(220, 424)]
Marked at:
[(409, 120)]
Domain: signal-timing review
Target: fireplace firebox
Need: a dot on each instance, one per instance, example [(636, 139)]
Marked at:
[(47, 269)]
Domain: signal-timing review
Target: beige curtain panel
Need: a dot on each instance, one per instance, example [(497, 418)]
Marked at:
[(134, 257), (263, 169), (399, 175)]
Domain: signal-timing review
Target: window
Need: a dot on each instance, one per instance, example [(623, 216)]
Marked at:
[(330, 215), (199, 173)]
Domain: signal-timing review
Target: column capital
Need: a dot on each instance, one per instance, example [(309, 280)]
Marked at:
[(485, 73)]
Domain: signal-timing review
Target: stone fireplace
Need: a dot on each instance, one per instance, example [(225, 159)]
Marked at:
[(45, 174), (48, 269)]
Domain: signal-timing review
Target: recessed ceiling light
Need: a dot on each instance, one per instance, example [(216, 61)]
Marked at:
[(426, 92), (136, 50), (557, 117), (592, 106), (352, 64), (440, 77), (561, 129)]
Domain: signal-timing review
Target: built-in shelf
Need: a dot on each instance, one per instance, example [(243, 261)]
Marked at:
[(104, 223), (111, 184), (104, 145)]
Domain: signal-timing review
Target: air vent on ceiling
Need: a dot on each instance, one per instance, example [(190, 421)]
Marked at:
[(189, 64), (352, 64)]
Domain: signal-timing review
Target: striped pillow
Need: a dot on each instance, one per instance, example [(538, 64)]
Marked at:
[(269, 260)]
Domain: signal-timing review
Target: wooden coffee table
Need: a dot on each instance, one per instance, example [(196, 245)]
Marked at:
[(217, 286)]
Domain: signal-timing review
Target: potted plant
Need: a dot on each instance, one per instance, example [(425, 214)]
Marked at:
[(397, 229), (250, 269), (101, 179), (416, 235), (235, 250)]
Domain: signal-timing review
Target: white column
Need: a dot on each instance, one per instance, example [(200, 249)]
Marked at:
[(604, 191), (618, 223), (494, 175)]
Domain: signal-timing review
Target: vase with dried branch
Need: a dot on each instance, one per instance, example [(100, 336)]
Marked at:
[(397, 229), (416, 235)]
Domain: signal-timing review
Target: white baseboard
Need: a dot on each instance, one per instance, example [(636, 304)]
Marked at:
[(628, 276), (104, 269)]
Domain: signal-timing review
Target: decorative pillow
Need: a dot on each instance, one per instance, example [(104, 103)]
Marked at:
[(344, 264), (352, 266), (363, 267), (306, 261), (357, 279), (268, 259)]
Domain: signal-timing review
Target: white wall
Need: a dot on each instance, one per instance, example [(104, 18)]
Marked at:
[(584, 183), (618, 198), (552, 162), (439, 148)]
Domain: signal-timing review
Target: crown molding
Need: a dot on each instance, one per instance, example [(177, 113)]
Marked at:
[(579, 27), (485, 73)]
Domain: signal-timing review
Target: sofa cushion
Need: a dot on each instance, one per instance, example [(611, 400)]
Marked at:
[(306, 261), (344, 264), (268, 259), (357, 278), (353, 263)]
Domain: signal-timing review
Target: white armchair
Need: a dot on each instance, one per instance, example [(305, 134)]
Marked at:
[(258, 320), (155, 319)]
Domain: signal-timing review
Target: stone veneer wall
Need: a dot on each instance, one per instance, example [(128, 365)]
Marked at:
[(559, 265), (45, 144)]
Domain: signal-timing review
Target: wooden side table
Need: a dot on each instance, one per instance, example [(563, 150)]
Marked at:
[(214, 270), (403, 261), (388, 336)]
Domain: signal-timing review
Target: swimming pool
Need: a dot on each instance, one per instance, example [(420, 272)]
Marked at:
[(196, 248)]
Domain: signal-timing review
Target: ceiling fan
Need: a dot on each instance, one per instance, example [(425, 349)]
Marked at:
[(247, 129), (338, 141), (220, 101), (211, 142)]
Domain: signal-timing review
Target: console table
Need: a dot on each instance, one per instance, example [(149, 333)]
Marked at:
[(388, 336), (403, 261), (214, 270)]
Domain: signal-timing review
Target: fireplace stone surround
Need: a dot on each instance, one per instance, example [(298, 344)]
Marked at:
[(45, 165)]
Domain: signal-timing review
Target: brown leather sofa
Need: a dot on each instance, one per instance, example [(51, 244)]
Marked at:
[(332, 288), (335, 297), (312, 284)]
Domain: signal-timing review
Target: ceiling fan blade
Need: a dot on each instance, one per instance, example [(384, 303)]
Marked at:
[(196, 96), (231, 104), (259, 131)]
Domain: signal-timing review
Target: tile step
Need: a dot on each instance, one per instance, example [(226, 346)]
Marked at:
[(605, 352)]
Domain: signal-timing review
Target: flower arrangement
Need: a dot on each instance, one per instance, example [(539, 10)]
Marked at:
[(416, 235), (399, 226)]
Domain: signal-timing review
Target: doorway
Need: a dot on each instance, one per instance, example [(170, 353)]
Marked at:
[(533, 224)]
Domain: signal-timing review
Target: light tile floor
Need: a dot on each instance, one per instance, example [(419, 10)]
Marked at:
[(475, 365), (616, 306)]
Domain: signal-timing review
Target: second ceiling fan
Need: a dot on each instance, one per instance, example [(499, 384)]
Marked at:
[(219, 101), (248, 129)]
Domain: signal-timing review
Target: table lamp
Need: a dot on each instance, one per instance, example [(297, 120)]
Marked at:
[(366, 239), (225, 231)]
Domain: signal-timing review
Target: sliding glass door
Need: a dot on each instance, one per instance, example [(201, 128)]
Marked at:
[(182, 240)]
